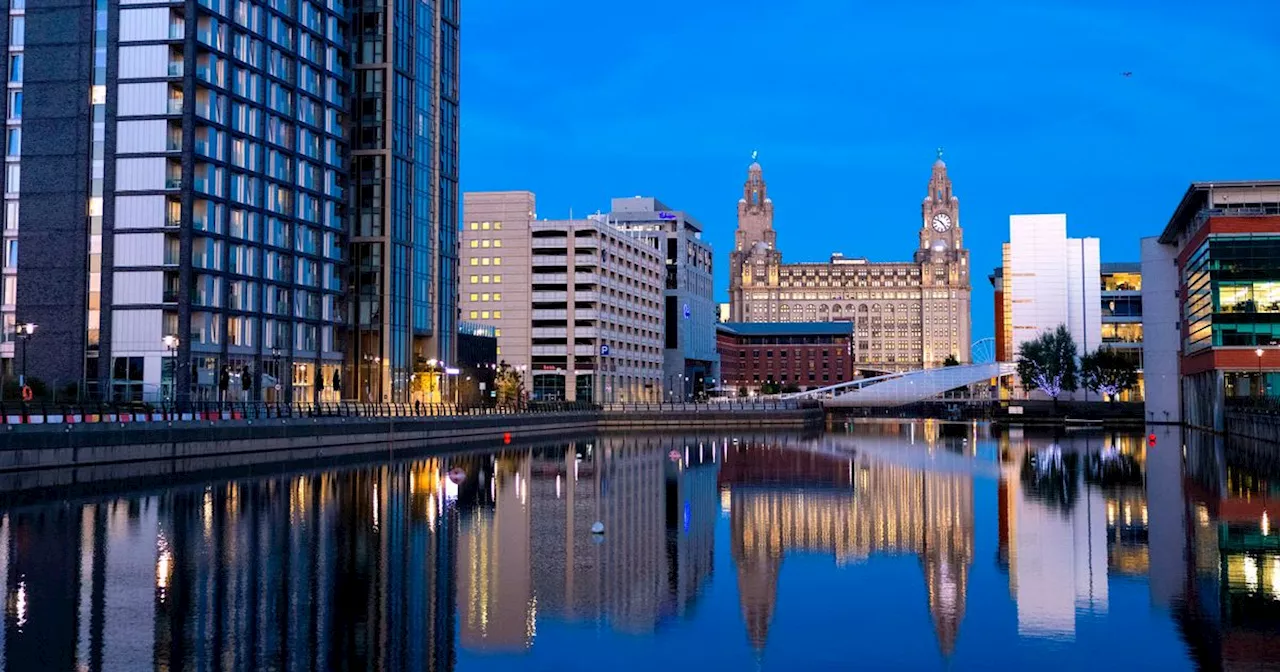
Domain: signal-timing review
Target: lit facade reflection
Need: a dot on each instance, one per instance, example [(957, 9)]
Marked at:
[(327, 571), (850, 507)]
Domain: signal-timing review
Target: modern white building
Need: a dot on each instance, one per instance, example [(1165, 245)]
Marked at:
[(1054, 280), (691, 364), (1162, 337), (568, 299)]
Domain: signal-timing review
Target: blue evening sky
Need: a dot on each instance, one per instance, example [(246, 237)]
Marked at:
[(580, 101)]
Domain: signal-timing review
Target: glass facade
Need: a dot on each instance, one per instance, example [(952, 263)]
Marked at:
[(1233, 292), (403, 305)]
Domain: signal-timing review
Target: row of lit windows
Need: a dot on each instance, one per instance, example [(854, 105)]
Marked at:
[(485, 315), (486, 226), (486, 242), (485, 279), (487, 297), (485, 261)]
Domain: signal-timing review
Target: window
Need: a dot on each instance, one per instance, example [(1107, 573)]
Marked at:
[(475, 226), (475, 297), (497, 278), (11, 253), (475, 279), (485, 243), (13, 144), (475, 243), (475, 261), (497, 261), (12, 177), (497, 226), (497, 314), (497, 297), (15, 68), (484, 314), (497, 243), (484, 226), (483, 297), (474, 314), (15, 104), (17, 31), (10, 290)]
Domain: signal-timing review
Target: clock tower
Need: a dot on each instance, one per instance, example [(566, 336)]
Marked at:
[(941, 238)]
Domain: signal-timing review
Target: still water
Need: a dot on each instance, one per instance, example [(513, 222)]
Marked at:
[(906, 546)]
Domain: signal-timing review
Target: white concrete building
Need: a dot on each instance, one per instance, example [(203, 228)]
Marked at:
[(568, 298), (1055, 280)]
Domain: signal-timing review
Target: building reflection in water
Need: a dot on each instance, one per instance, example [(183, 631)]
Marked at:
[(346, 569), (526, 550), (1229, 608), (1073, 510), (785, 498)]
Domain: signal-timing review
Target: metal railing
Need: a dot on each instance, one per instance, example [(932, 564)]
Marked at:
[(1268, 405), (77, 413), (714, 406)]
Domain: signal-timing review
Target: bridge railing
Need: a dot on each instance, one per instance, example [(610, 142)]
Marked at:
[(713, 406), (16, 413)]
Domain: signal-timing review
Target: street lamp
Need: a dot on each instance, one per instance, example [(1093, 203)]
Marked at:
[(171, 344), (1262, 385), (25, 330)]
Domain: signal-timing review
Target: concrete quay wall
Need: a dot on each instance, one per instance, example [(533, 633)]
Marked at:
[(41, 457)]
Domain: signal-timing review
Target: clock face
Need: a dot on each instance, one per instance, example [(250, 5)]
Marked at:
[(941, 222)]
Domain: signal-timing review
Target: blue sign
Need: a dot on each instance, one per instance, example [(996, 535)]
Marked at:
[(604, 350), (687, 313), (666, 215)]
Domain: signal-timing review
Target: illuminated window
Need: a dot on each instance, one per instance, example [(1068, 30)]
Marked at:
[(475, 226), (497, 297), (497, 243), (484, 297), (474, 261), (484, 225), (484, 314), (499, 349), (496, 332), (483, 262), (475, 243), (484, 244), (497, 261), (475, 297), (497, 314), (497, 226), (474, 314), (484, 279), (497, 278), (475, 279)]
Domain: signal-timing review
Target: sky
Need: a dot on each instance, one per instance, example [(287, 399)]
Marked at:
[(847, 101)]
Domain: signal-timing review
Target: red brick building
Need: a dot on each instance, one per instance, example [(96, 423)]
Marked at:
[(800, 354)]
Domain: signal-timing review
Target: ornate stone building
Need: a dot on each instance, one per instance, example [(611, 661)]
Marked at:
[(906, 315)]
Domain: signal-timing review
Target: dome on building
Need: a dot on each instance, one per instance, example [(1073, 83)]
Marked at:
[(755, 167), (940, 163)]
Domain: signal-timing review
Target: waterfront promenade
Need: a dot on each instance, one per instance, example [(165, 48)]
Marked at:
[(70, 445)]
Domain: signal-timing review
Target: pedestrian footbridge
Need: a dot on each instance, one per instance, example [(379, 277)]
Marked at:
[(897, 389)]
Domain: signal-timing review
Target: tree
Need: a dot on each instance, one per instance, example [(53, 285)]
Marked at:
[(509, 385), (1048, 363), (951, 361), (742, 390), (770, 386), (1108, 372)]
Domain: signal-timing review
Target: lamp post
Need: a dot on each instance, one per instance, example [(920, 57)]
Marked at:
[(1262, 385), (171, 344), (25, 330)]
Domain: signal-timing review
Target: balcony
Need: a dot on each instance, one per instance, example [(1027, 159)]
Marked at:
[(556, 260), (543, 314), (550, 332), (551, 350), (550, 297), (550, 278)]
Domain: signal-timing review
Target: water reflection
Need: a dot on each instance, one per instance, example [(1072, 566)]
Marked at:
[(769, 550)]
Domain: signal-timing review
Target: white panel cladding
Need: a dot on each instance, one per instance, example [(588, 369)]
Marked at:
[(140, 25), (141, 137), (139, 212), (137, 287), (136, 332), (1037, 255), (140, 62), (143, 99), (139, 249), (140, 174)]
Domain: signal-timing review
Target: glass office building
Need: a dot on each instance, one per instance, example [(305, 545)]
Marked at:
[(181, 217), (404, 210)]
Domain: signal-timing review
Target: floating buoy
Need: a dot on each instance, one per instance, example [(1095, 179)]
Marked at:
[(506, 437), (597, 527)]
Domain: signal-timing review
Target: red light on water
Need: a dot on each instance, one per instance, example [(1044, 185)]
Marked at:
[(506, 437), (1151, 440)]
